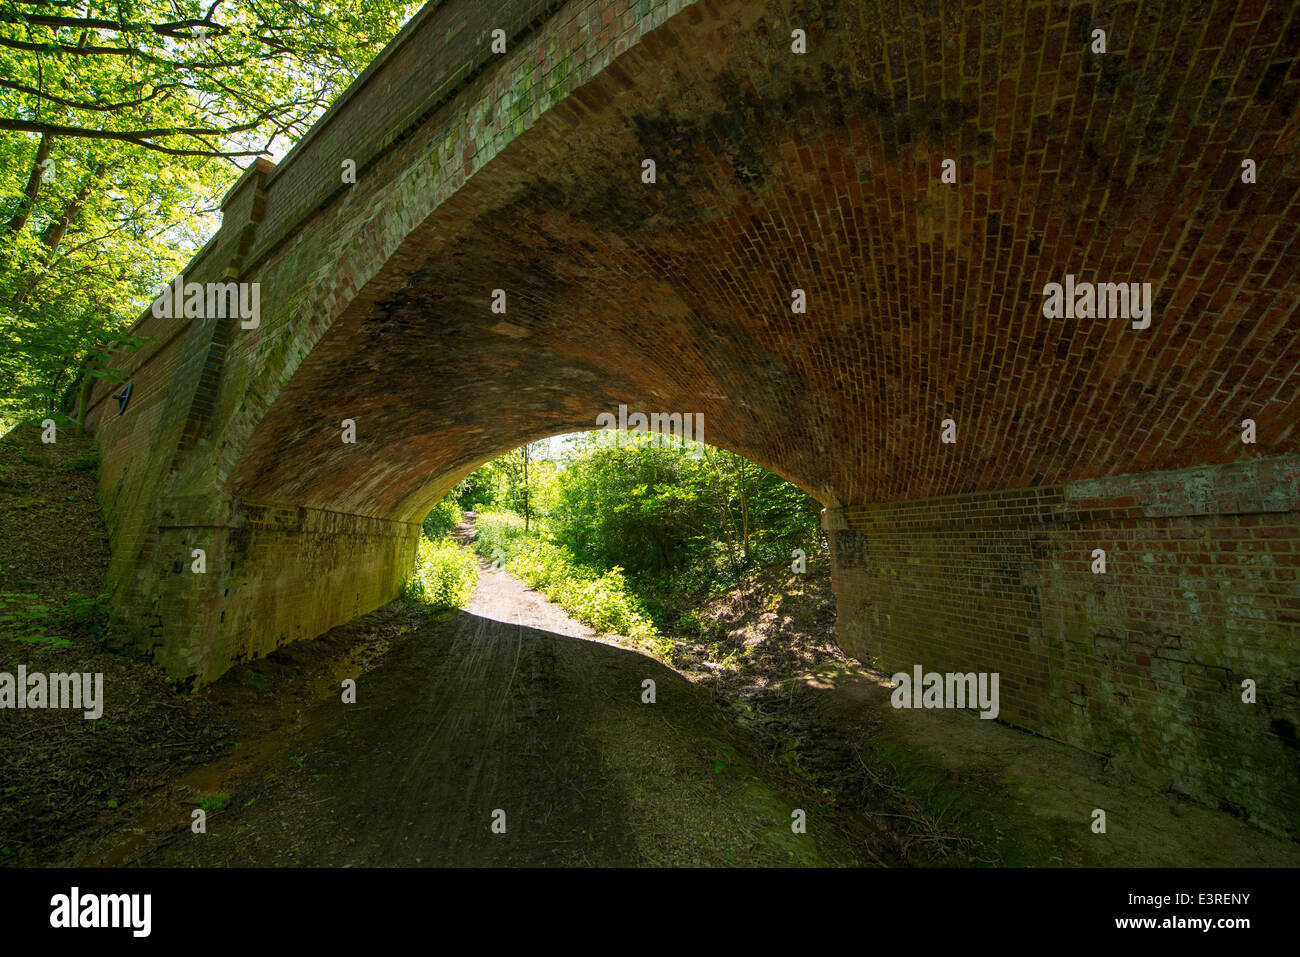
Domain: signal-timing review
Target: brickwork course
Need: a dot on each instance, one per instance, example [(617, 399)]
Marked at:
[(775, 170)]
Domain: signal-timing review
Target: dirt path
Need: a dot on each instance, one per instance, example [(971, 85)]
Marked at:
[(509, 706)]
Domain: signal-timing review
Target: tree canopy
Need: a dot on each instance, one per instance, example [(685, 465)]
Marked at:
[(122, 124), (650, 509)]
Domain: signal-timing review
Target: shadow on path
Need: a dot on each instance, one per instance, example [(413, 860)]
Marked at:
[(477, 715)]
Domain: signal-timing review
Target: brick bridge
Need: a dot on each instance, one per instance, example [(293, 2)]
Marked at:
[(821, 171)]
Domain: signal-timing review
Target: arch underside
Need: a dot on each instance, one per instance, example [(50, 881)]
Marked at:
[(777, 171)]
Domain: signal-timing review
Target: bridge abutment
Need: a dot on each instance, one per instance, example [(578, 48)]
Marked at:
[(270, 575), (1144, 662)]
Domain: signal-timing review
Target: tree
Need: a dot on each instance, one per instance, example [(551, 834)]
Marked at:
[(657, 512), (524, 449), (652, 509), (122, 125), (182, 77)]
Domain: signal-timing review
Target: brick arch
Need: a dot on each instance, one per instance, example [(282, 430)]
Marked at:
[(925, 299), (925, 302)]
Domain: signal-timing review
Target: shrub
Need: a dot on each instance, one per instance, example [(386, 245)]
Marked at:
[(445, 575), (494, 530), (444, 516)]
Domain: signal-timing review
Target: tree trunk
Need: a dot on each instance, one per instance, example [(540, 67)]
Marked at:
[(744, 516), (53, 235), (25, 207), (83, 399)]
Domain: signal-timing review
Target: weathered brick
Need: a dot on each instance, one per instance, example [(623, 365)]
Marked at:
[(521, 172)]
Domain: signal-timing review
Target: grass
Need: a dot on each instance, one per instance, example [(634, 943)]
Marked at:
[(84, 462), (937, 819), (215, 802), (25, 618)]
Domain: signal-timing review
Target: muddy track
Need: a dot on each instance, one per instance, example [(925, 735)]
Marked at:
[(511, 706)]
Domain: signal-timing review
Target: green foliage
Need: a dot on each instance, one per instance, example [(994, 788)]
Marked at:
[(644, 508), (183, 76), (214, 802), (666, 522), (85, 461), (24, 617), (121, 130), (702, 520), (499, 484), (602, 599), (443, 517), (497, 530), (86, 615), (445, 575)]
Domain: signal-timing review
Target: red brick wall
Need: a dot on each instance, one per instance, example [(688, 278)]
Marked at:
[(174, 374), (200, 387), (1144, 662), (444, 48)]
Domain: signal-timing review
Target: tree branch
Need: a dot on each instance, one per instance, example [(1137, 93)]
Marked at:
[(73, 104), (138, 137), (177, 29)]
